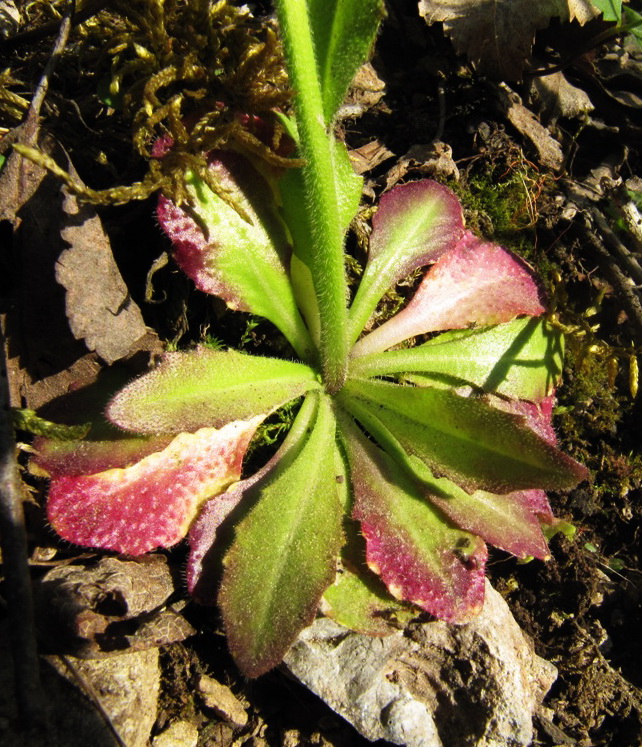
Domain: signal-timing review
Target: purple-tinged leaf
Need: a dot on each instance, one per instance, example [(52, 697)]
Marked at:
[(415, 224), (420, 555), (88, 457), (537, 415), (358, 598), (285, 549), (476, 282), (202, 565), (510, 522), (475, 445), (241, 258), (206, 387), (152, 503)]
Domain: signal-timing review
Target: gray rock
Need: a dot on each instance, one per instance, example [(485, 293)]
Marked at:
[(436, 685)]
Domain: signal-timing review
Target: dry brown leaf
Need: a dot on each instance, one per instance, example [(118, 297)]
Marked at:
[(497, 35), (42, 351), (115, 605), (549, 151), (99, 308), (559, 98)]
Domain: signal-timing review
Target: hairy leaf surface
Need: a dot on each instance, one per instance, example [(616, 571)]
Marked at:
[(414, 225), (510, 522), (476, 282), (520, 359), (462, 438), (343, 32), (205, 387), (418, 553), (241, 258), (152, 503), (285, 550), (358, 598)]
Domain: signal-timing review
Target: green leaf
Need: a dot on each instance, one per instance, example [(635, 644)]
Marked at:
[(510, 522), (29, 421), (301, 221), (284, 553), (414, 225), (343, 33), (611, 9), (463, 438), (205, 387), (421, 556), (358, 598), (238, 253), (520, 359)]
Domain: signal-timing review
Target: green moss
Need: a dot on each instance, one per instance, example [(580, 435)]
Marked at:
[(191, 70)]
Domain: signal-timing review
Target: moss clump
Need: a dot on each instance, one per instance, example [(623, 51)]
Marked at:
[(194, 72)]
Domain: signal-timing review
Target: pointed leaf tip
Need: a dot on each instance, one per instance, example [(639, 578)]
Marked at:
[(201, 388), (415, 224), (152, 503)]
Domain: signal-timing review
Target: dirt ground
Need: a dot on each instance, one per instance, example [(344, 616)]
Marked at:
[(552, 191)]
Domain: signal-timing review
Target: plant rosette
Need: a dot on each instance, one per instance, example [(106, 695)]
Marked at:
[(402, 462)]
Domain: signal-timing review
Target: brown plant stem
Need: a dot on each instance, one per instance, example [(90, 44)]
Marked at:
[(15, 562)]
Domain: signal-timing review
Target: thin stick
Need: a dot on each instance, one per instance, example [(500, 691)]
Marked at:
[(90, 691), (15, 560), (29, 695)]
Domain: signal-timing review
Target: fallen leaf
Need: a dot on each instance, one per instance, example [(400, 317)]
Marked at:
[(99, 307), (368, 156), (94, 611), (549, 151), (497, 35), (559, 98)]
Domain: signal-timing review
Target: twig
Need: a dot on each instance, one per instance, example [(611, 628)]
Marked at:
[(90, 691), (620, 281), (29, 695), (625, 257), (89, 9), (31, 124)]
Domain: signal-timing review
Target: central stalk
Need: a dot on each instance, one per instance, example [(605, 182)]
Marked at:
[(320, 192)]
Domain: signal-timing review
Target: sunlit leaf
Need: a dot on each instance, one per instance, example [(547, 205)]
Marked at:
[(420, 555), (474, 283), (240, 257), (343, 32), (152, 503), (414, 225), (358, 598), (510, 522), (520, 359), (206, 387), (284, 553), (463, 438)]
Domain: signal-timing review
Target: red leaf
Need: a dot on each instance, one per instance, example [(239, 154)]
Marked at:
[(476, 282), (152, 503)]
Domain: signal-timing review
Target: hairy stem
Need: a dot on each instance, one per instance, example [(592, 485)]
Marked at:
[(320, 191)]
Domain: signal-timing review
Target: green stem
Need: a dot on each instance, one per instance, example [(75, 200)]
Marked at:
[(320, 194)]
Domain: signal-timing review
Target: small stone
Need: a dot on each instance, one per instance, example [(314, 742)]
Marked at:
[(179, 734), (222, 701)]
